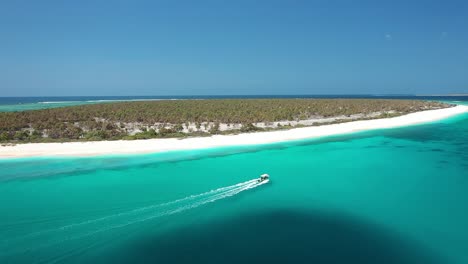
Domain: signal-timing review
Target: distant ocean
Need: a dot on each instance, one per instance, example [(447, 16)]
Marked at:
[(9, 104), (395, 196)]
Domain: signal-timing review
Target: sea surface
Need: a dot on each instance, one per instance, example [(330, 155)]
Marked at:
[(382, 196), (15, 104)]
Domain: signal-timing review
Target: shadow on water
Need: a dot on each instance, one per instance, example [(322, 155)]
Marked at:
[(277, 237)]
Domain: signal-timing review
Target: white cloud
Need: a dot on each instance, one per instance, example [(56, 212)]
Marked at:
[(388, 37)]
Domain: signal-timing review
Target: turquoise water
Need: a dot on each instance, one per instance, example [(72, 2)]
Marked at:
[(388, 196), (38, 106)]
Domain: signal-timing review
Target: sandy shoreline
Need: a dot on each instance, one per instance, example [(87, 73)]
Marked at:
[(160, 145)]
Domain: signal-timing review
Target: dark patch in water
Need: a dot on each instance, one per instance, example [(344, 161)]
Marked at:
[(386, 142), (278, 237), (447, 132)]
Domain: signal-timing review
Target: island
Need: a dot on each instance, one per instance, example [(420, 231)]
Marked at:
[(168, 125), (188, 118)]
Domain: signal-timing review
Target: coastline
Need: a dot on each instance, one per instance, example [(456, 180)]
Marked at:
[(95, 148)]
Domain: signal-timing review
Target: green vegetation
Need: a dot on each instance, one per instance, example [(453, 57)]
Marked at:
[(181, 118)]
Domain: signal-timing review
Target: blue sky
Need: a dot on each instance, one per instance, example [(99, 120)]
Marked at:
[(241, 47)]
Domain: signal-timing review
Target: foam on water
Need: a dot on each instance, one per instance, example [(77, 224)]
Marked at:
[(123, 219)]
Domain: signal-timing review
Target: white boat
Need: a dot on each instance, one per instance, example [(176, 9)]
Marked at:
[(264, 178)]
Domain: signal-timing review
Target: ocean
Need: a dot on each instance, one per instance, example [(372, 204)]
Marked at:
[(382, 196)]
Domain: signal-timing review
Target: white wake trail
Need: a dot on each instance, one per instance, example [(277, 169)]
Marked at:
[(138, 210), (142, 214), (180, 209)]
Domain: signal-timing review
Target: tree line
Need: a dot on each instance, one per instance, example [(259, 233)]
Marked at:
[(108, 120)]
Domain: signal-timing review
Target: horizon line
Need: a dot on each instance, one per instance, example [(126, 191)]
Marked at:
[(231, 95)]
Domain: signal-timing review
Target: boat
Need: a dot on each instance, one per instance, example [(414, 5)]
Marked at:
[(264, 178)]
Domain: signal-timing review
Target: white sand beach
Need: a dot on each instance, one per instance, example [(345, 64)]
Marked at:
[(160, 145)]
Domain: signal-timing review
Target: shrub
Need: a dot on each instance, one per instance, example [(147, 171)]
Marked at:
[(21, 135), (4, 136), (249, 127)]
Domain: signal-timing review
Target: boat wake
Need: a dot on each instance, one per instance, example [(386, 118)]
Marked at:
[(99, 226)]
